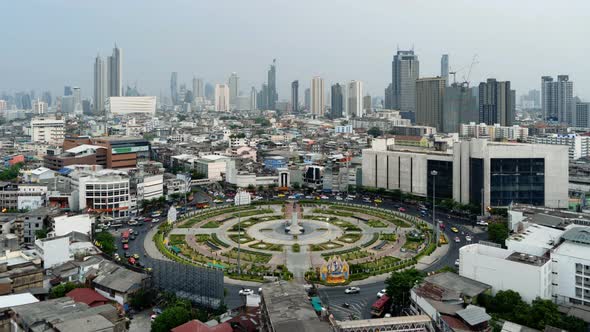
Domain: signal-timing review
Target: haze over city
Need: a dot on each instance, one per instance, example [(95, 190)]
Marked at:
[(52, 42)]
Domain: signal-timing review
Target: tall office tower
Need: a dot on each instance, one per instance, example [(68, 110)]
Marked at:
[(355, 99), (198, 88), (405, 71), (87, 106), (582, 115), (557, 99), (182, 94), (77, 96), (253, 101), (262, 97), (68, 90), (295, 96), (444, 67), (233, 83), (3, 105), (100, 85), (221, 98), (115, 73), (388, 100), (209, 91), (496, 103), (317, 96), (430, 93), (272, 86), (307, 99), (174, 88), (46, 97), (459, 107), (337, 101), (367, 104)]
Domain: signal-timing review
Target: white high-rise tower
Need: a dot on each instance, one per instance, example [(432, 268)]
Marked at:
[(115, 73), (100, 85), (221, 98), (355, 99), (317, 96)]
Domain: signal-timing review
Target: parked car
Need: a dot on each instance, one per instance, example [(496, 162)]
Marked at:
[(457, 262), (246, 292), (125, 246), (401, 209), (482, 223), (381, 293), (468, 238), (352, 290)]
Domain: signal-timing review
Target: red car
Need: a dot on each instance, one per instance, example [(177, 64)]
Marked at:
[(131, 260), (148, 219), (125, 246), (401, 209)]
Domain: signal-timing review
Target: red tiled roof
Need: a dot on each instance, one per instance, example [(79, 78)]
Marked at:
[(87, 296), (197, 326)]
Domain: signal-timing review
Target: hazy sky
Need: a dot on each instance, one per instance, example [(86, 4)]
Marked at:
[(48, 44)]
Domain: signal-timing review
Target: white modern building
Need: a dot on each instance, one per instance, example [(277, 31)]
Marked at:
[(81, 223), (355, 99), (242, 198), (539, 262), (152, 187), (211, 166), (495, 131), (131, 105), (221, 98), (39, 107), (47, 130), (100, 84), (504, 173), (578, 146), (344, 129), (105, 192), (54, 250)]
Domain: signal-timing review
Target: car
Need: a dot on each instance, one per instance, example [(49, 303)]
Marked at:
[(352, 290), (457, 262), (308, 197), (291, 197), (401, 209), (367, 200), (132, 237), (378, 201), (381, 293), (127, 254), (155, 220), (156, 214), (457, 239), (153, 317), (136, 256), (468, 238), (125, 246), (148, 269), (324, 197), (131, 260), (217, 200), (482, 223), (229, 200), (338, 198), (246, 292), (349, 198), (454, 229), (147, 219)]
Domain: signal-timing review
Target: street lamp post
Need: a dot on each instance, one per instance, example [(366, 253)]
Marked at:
[(434, 223)]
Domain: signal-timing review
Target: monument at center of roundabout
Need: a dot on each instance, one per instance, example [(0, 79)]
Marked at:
[(294, 227)]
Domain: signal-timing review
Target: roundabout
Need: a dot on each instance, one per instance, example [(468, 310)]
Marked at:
[(297, 239)]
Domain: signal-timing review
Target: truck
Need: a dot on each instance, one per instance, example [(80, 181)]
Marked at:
[(125, 236)]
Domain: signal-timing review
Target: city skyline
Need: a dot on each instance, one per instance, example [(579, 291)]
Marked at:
[(337, 63)]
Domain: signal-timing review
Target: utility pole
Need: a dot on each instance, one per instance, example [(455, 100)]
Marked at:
[(434, 173)]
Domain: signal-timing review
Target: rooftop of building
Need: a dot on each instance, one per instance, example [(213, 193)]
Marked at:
[(118, 278), (377, 322), (289, 308), (528, 259), (537, 236), (456, 283), (12, 300), (580, 235)]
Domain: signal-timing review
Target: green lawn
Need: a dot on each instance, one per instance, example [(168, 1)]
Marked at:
[(325, 246), (266, 246), (176, 239), (249, 256), (412, 245), (388, 237), (376, 223), (244, 238), (211, 224), (350, 237)]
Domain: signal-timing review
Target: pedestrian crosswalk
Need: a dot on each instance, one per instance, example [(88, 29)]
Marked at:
[(357, 309)]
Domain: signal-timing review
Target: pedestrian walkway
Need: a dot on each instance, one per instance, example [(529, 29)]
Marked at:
[(150, 247)]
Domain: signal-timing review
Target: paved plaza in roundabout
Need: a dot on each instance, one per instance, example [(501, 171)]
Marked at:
[(298, 237)]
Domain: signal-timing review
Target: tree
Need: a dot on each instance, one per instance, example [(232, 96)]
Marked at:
[(498, 232), (106, 242), (543, 313), (171, 318), (142, 299), (62, 289), (10, 173), (41, 233), (506, 301), (375, 131), (296, 185), (399, 285)]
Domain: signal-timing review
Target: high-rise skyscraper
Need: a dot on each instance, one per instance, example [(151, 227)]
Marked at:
[(405, 71), (272, 86), (100, 85), (233, 83), (367, 104), (388, 102), (221, 98), (253, 101), (198, 88), (307, 99), (77, 99), (355, 99), (317, 96), (444, 67), (68, 90), (337, 101), (557, 99), (459, 106), (115, 73), (295, 96), (430, 93), (46, 97), (582, 115), (496, 102), (174, 87)]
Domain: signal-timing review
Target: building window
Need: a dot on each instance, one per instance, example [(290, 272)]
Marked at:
[(475, 180), (515, 180), (444, 178)]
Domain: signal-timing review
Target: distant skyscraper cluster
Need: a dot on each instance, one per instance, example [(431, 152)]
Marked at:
[(107, 79)]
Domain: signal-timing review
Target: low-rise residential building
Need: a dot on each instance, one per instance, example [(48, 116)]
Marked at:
[(116, 282), (494, 132), (211, 166), (47, 130), (578, 145)]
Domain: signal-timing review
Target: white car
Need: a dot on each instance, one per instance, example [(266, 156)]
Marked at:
[(468, 238), (482, 223), (324, 197), (349, 198), (291, 197), (457, 262), (338, 198), (229, 200), (352, 290), (153, 317), (381, 293), (246, 292)]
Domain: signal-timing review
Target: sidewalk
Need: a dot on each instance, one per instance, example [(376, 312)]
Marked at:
[(426, 261), (150, 247)]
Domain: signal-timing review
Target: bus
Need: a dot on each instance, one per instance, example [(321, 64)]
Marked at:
[(125, 236), (381, 306), (202, 205)]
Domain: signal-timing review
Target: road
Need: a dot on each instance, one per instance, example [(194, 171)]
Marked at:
[(359, 303)]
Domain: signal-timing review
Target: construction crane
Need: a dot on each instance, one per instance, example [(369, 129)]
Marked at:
[(473, 62)]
